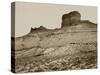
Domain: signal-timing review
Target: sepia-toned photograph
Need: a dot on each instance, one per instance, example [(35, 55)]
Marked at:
[(53, 37)]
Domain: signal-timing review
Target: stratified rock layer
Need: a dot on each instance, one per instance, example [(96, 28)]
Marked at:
[(71, 18)]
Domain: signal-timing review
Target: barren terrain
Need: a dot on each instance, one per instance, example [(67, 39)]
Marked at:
[(56, 50)]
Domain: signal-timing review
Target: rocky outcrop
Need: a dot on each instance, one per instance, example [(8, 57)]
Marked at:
[(41, 28), (71, 18)]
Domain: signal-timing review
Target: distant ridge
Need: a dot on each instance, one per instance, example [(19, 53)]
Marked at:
[(70, 22)]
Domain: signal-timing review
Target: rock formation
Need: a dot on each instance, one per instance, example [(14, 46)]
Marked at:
[(71, 18), (41, 28)]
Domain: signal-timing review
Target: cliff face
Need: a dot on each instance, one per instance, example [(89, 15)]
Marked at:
[(71, 18), (73, 37)]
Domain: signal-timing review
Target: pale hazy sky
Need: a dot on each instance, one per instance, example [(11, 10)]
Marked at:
[(29, 15)]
